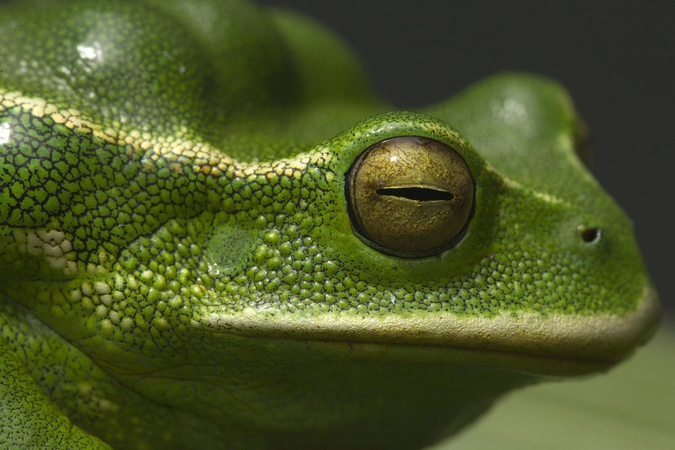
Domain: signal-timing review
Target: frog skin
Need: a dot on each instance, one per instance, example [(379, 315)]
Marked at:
[(215, 236)]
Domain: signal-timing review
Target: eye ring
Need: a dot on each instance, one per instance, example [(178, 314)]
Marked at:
[(410, 196)]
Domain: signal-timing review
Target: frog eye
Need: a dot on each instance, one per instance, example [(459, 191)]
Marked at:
[(410, 196)]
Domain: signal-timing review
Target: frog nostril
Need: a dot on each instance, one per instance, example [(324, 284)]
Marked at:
[(590, 234), (419, 194)]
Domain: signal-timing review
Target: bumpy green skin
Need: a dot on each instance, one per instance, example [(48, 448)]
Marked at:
[(178, 267)]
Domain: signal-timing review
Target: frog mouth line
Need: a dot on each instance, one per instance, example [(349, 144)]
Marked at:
[(551, 346)]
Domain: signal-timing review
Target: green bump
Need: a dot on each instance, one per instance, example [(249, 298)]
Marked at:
[(17, 189), (272, 237)]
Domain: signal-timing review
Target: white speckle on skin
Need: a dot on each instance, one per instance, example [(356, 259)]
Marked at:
[(114, 317), (101, 311), (57, 263), (86, 289), (509, 111), (106, 300), (91, 52), (546, 197), (5, 133), (66, 246), (127, 323), (53, 251), (101, 288), (71, 268), (76, 295), (59, 118)]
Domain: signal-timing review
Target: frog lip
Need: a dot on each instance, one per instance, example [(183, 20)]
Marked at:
[(553, 345)]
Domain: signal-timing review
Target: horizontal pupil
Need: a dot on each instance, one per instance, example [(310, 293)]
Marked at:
[(416, 193)]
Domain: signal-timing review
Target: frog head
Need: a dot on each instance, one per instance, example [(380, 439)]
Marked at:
[(206, 200)]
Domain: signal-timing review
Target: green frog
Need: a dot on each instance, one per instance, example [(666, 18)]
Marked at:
[(214, 235)]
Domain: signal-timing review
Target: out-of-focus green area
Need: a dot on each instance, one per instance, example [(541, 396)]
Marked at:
[(630, 408)]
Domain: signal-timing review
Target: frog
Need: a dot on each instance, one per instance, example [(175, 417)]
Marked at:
[(215, 235)]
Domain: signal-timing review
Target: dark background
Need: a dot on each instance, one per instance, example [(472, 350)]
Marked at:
[(616, 58)]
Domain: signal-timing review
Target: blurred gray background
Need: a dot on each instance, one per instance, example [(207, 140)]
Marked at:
[(617, 60)]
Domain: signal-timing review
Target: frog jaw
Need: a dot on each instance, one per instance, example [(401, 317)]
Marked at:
[(556, 345)]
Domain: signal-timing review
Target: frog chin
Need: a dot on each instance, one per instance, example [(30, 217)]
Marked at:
[(551, 345)]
